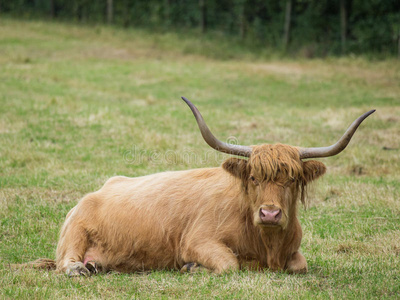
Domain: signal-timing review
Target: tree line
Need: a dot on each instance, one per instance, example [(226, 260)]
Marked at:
[(316, 27)]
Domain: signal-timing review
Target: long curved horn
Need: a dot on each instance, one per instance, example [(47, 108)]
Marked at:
[(212, 140), (338, 146)]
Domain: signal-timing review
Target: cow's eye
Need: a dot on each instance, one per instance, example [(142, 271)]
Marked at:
[(253, 179), (290, 181)]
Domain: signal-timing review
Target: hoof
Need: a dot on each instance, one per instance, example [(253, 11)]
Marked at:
[(93, 267), (77, 269), (193, 268)]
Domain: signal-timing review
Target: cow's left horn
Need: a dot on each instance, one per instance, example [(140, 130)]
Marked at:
[(339, 146), (212, 140)]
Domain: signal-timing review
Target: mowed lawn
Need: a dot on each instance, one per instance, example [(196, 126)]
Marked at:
[(79, 104)]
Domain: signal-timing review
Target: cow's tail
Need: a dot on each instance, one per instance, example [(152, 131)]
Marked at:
[(41, 264)]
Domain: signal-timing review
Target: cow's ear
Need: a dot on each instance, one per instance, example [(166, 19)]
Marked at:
[(313, 169), (236, 166)]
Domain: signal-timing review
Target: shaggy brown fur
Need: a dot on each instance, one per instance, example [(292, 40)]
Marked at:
[(209, 217)]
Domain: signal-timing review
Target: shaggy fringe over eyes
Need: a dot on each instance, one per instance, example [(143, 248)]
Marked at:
[(276, 163)]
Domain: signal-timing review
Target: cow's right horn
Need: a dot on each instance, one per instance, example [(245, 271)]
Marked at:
[(212, 140)]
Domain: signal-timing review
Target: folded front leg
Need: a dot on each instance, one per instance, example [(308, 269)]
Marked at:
[(297, 264), (210, 255)]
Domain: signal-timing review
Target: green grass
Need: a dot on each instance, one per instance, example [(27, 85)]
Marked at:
[(76, 101)]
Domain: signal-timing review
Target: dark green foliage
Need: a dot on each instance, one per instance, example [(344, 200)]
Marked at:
[(371, 26)]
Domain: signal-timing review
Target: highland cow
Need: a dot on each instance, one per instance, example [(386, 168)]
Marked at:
[(215, 219)]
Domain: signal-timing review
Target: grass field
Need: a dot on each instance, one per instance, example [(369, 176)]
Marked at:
[(81, 104)]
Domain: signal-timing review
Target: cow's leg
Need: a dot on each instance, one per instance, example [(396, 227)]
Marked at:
[(212, 256), (71, 249), (297, 264), (94, 260)]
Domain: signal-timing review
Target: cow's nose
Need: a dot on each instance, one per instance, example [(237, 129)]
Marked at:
[(270, 216)]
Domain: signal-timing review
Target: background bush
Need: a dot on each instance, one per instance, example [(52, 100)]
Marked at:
[(313, 27)]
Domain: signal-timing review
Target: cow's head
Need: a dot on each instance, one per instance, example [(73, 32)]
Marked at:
[(273, 176)]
